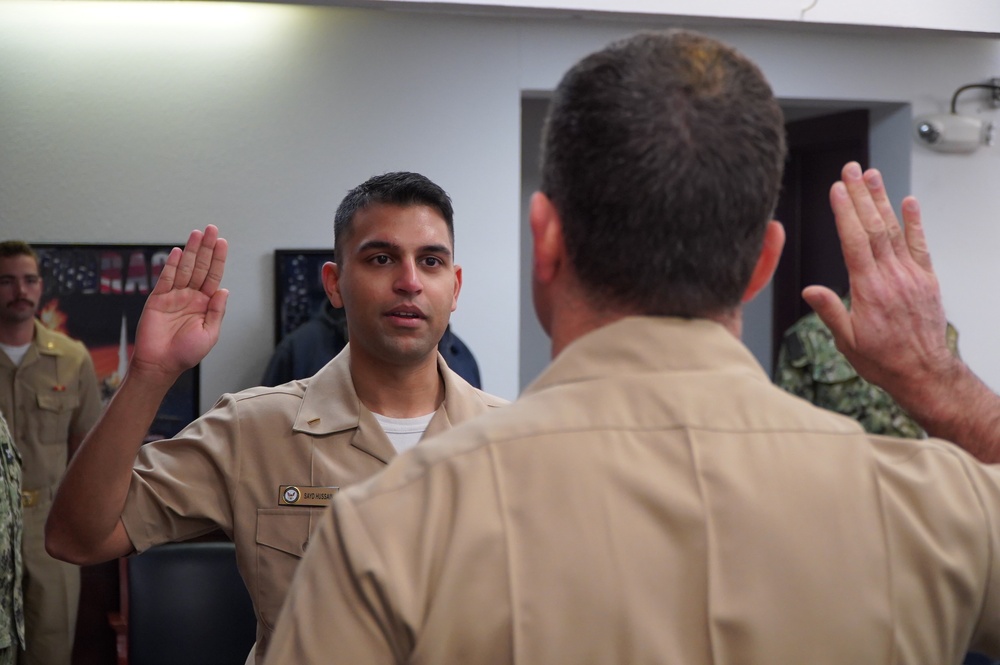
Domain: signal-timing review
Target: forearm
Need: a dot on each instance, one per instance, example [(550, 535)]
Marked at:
[(956, 405), (84, 523)]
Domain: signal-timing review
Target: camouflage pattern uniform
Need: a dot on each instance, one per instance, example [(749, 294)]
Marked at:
[(11, 526), (810, 366)]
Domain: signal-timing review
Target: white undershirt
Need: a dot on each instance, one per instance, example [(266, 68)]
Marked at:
[(404, 433), (15, 353)]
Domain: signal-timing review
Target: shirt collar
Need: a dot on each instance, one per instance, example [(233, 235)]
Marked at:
[(648, 344)]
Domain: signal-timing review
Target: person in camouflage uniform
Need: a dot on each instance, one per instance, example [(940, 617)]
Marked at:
[(810, 366), (11, 526)]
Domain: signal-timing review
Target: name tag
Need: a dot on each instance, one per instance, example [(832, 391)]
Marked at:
[(297, 495)]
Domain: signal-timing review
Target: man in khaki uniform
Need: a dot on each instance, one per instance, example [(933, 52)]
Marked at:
[(652, 497), (50, 397), (263, 463)]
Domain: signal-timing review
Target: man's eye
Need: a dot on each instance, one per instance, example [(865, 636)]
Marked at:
[(433, 261), (381, 259)]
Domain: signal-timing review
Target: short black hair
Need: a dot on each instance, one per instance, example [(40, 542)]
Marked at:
[(401, 188), (663, 154)]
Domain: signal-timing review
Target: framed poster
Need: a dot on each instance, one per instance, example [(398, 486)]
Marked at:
[(95, 294), (298, 287)]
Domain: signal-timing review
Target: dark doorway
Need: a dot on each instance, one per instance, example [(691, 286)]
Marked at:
[(818, 148)]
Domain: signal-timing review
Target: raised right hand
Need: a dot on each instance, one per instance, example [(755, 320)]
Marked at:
[(182, 317)]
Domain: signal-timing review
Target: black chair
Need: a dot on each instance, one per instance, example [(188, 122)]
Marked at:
[(183, 603)]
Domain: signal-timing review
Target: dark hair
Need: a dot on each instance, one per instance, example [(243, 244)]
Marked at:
[(662, 154), (9, 248), (400, 188)]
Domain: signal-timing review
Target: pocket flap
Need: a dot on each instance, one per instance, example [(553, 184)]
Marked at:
[(285, 529), (55, 402)]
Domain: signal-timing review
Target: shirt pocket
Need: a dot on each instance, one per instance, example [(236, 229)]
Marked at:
[(282, 536), (55, 413)]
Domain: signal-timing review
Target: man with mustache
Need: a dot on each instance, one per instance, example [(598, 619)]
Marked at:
[(263, 463), (50, 398)]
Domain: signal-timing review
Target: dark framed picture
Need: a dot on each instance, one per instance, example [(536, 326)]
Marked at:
[(298, 287), (95, 294)]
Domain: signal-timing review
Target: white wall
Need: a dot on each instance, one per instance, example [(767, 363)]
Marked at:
[(118, 125), (973, 16)]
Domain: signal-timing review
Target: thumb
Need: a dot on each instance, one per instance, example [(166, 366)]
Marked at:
[(830, 309), (216, 309)]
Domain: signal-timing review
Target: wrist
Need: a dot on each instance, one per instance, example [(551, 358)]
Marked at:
[(954, 404)]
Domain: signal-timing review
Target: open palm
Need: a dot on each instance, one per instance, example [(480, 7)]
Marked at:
[(182, 317)]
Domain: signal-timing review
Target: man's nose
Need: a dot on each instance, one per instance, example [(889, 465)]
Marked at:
[(408, 279)]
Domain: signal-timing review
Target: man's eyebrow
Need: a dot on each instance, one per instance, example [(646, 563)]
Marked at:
[(436, 249), (377, 244)]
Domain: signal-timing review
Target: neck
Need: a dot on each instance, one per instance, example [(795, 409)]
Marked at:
[(573, 315), (731, 321), (17, 333), (398, 391), (574, 318)]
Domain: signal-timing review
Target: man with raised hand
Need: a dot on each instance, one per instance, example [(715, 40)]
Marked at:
[(263, 463), (652, 497)]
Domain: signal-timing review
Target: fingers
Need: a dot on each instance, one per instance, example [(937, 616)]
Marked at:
[(198, 259), (913, 227), (165, 281), (205, 260), (876, 189), (216, 265), (869, 230), (854, 241), (200, 265), (185, 267), (832, 312), (866, 210)]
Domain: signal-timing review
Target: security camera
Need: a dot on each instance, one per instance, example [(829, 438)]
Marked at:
[(950, 132)]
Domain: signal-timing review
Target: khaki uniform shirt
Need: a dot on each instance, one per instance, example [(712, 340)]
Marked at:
[(11, 529), (47, 399), (653, 498), (233, 469)]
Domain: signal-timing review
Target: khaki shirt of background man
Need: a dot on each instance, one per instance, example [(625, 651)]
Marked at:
[(50, 398)]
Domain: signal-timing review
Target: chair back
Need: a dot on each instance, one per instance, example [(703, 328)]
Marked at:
[(187, 604)]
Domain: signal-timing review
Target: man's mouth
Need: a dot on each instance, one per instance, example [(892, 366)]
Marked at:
[(406, 315)]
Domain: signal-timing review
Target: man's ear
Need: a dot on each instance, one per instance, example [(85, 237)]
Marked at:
[(331, 283), (767, 262), (458, 287), (547, 238)]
